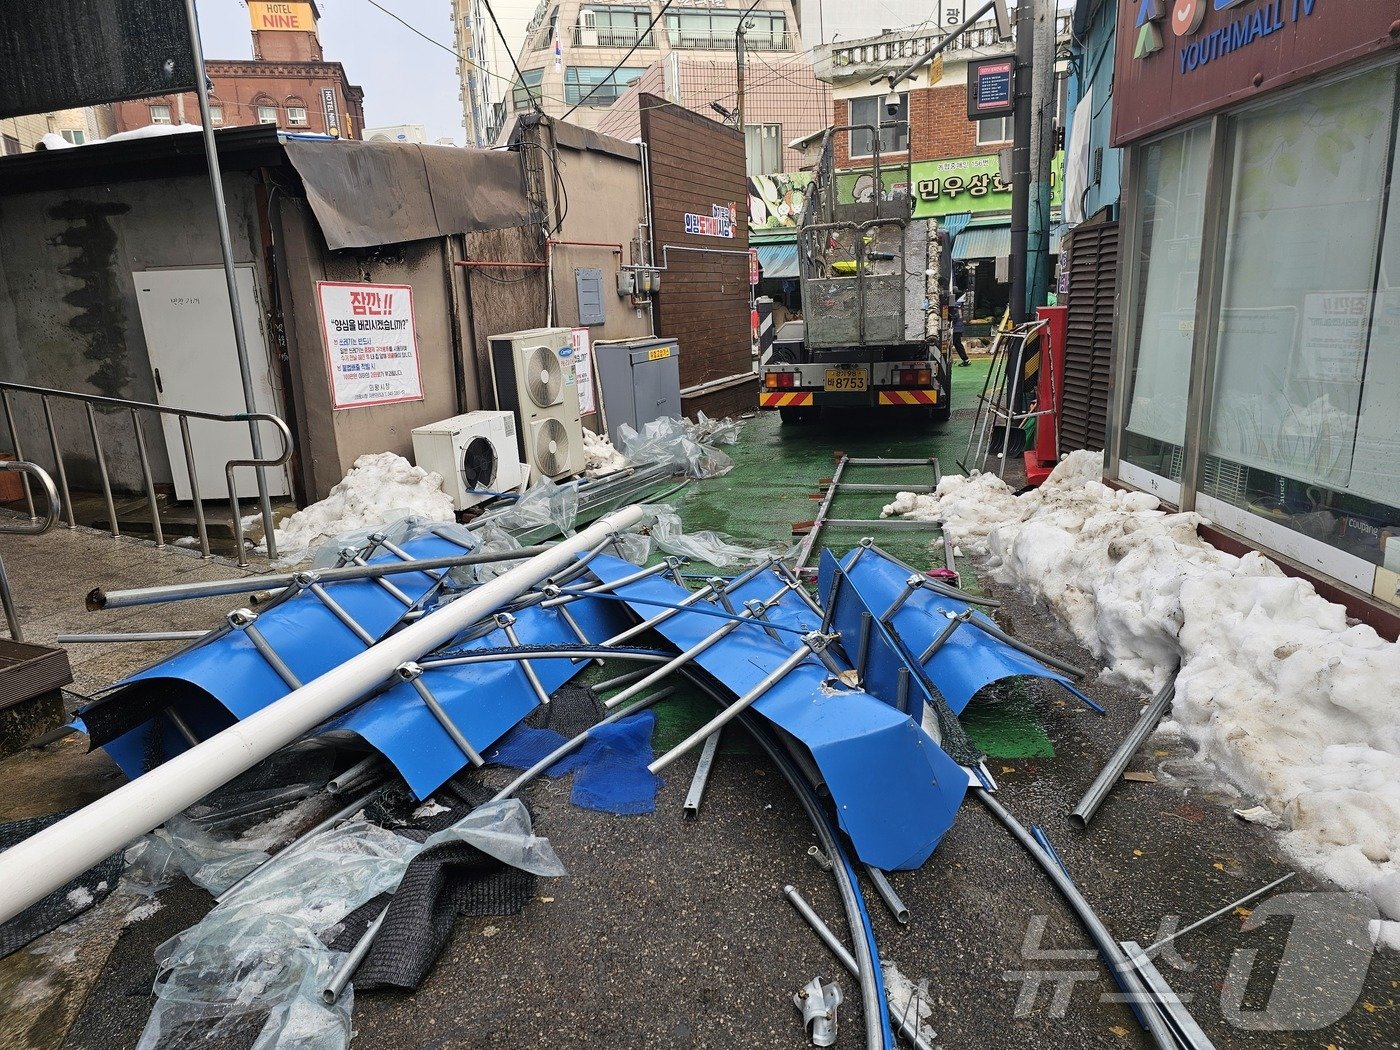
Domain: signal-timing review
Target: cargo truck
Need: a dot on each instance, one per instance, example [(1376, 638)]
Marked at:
[(872, 306)]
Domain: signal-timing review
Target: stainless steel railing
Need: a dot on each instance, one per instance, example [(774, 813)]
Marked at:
[(91, 402), (33, 527)]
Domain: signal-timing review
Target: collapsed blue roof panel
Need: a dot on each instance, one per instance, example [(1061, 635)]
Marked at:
[(966, 662), (895, 791), (225, 679)]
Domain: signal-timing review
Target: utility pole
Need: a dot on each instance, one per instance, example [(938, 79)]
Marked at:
[(739, 73), (1043, 101), (1021, 158), (740, 46)]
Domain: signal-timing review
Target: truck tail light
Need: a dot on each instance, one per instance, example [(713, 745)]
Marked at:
[(770, 380), (915, 377), (787, 379)]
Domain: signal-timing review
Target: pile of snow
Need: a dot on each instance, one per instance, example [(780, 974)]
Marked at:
[(381, 488), (600, 457), (1294, 706)]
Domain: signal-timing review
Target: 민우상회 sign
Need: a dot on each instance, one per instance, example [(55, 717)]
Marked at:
[(371, 345)]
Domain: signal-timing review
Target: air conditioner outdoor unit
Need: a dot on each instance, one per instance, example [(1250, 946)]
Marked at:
[(587, 28), (471, 451), (533, 373)]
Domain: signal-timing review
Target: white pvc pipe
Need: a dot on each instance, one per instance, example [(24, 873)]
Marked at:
[(40, 864)]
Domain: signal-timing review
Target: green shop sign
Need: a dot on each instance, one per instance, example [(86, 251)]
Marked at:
[(943, 187)]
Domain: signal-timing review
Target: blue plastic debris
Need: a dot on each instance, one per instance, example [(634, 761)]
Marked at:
[(868, 582), (895, 791), (610, 769)]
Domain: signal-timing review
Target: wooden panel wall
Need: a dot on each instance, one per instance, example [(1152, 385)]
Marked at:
[(696, 164)]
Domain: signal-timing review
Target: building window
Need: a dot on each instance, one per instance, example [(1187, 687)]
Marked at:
[(994, 131), (1307, 369), (296, 116), (1173, 185), (613, 25), (216, 114), (763, 148), (1298, 447), (77, 138), (713, 30), (894, 130), (160, 114), (9, 146), (597, 85), (267, 114), (527, 92)]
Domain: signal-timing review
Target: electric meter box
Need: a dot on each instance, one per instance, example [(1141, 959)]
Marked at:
[(640, 380)]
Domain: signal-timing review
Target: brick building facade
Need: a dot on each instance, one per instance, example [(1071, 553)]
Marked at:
[(287, 83), (938, 127)]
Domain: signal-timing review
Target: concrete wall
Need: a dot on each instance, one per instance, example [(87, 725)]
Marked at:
[(68, 311), (331, 440)]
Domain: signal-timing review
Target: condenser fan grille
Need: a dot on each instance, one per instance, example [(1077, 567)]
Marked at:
[(544, 378), (478, 464), (551, 447)]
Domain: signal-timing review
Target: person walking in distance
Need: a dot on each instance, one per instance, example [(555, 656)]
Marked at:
[(955, 315)]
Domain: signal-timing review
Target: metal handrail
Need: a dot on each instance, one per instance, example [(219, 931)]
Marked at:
[(90, 401), (34, 527)]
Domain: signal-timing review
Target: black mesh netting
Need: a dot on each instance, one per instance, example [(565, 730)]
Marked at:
[(122, 711), (572, 710), (440, 884), (62, 904), (953, 737)]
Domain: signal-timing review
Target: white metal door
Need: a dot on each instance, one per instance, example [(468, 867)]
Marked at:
[(194, 362)]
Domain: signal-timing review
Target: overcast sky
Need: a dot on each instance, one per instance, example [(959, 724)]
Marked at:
[(406, 79)]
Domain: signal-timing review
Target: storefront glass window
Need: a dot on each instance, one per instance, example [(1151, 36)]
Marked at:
[(1305, 415), (1163, 319)]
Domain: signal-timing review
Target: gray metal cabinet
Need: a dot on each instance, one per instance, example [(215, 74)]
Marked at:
[(640, 381)]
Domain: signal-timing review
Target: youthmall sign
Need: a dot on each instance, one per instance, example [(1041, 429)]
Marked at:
[(1179, 59)]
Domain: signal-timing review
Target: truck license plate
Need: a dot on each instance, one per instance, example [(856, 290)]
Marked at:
[(845, 379)]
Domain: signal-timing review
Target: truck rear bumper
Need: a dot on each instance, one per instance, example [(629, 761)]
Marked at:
[(847, 399)]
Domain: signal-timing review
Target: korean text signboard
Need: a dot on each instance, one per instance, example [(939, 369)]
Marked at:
[(990, 88), (583, 370), (719, 223), (371, 346)]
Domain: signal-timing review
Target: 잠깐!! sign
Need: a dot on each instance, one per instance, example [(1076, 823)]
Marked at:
[(371, 345)]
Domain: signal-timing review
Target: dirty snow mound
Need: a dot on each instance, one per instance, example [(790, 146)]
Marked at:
[(600, 457), (1275, 689), (381, 488)]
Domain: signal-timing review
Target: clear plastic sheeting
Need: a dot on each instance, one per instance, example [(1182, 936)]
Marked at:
[(681, 443), (716, 431), (634, 547), (543, 503), (486, 538), (503, 830), (712, 548), (258, 959), (401, 527), (181, 846)]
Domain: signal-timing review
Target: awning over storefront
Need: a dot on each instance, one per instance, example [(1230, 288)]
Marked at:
[(777, 260), (983, 242), (992, 241)]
